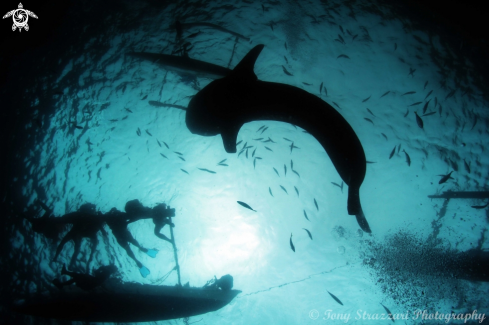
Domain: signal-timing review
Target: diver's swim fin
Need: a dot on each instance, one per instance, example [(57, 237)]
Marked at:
[(152, 253), (144, 271)]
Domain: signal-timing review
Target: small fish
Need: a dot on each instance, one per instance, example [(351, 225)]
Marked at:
[(408, 159), (269, 149), (291, 164), (450, 94), (158, 142), (246, 153), (253, 154), (340, 186), (178, 153), (308, 232), (292, 146), (369, 120), (296, 190), (337, 105), (166, 145), (393, 152), (285, 44), (370, 112), (206, 170), (305, 83), (286, 61), (411, 72), (409, 93), (399, 149), (225, 165), (385, 136), (291, 243), (261, 127), (285, 170), (321, 88), (385, 94), (342, 56), (264, 130), (276, 171), (341, 28), (363, 101), (148, 133), (445, 177), (305, 215), (287, 72), (257, 139), (114, 120), (221, 161), (335, 298), (271, 140), (419, 120), (467, 167), (428, 94), (237, 144), (144, 97), (79, 127), (480, 206), (283, 188), (183, 170), (127, 109), (181, 158), (407, 112), (425, 107), (195, 34), (316, 204), (254, 163), (341, 39), (389, 313), (138, 132), (239, 154), (436, 101), (428, 114), (270, 191), (425, 84), (163, 155), (371, 162), (295, 172), (245, 205)]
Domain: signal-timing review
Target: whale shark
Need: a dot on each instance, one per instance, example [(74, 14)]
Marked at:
[(225, 104), (184, 65)]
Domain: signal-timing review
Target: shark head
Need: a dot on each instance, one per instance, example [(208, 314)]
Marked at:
[(215, 109)]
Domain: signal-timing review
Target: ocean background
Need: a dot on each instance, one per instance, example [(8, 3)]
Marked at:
[(370, 60)]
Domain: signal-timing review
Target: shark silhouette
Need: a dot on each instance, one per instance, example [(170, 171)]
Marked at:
[(224, 105), (184, 65)]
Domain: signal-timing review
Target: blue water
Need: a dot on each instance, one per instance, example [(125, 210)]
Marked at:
[(107, 163)]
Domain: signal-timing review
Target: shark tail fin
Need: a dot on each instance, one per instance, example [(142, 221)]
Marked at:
[(246, 65), (355, 208), (362, 222)]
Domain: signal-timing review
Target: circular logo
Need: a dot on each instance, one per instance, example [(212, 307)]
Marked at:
[(313, 314)]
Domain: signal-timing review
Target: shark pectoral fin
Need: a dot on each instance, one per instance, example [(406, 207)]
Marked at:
[(362, 222), (229, 134)]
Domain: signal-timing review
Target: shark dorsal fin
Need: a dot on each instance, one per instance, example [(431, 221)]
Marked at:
[(245, 67)]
